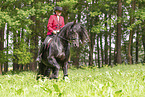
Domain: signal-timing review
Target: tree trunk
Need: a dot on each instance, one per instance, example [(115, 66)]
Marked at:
[(15, 60), (92, 38), (129, 49), (143, 39), (115, 49), (34, 43), (131, 34), (98, 51), (110, 49), (0, 68), (26, 66), (1, 48), (119, 32), (22, 41), (6, 63), (137, 44), (106, 42), (33, 50), (101, 45)]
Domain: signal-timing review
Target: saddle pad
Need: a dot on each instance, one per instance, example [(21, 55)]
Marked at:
[(48, 42)]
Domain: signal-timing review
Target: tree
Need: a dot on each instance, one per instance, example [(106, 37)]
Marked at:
[(7, 53), (119, 16), (131, 34), (1, 49)]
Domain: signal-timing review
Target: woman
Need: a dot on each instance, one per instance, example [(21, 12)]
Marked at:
[(55, 23)]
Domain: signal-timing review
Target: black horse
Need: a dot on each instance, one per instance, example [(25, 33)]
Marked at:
[(59, 50)]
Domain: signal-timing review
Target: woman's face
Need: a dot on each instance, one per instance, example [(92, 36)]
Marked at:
[(58, 12)]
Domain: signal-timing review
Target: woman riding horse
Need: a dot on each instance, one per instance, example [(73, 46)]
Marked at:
[(55, 23)]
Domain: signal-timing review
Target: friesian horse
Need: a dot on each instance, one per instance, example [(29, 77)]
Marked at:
[(56, 55)]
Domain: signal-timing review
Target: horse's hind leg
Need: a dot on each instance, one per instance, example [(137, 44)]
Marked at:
[(47, 72), (41, 70)]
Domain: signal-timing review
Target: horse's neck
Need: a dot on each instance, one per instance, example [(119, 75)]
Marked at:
[(63, 39), (61, 42)]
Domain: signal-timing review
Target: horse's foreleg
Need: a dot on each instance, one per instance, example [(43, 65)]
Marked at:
[(56, 67), (65, 74), (54, 74)]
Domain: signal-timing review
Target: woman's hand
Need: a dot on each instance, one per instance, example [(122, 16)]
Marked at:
[(55, 31)]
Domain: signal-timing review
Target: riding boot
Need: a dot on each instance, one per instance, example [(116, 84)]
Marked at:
[(39, 58)]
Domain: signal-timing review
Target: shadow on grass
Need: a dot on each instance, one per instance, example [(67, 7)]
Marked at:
[(11, 72)]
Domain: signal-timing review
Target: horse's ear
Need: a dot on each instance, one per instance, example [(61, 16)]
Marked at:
[(73, 23)]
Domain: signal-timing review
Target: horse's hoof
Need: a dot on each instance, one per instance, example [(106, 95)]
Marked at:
[(66, 79)]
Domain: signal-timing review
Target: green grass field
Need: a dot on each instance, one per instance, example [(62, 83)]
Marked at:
[(119, 81)]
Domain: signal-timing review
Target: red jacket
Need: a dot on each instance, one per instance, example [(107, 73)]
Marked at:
[(54, 24)]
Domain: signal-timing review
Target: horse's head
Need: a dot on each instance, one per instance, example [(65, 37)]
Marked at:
[(73, 32), (77, 33)]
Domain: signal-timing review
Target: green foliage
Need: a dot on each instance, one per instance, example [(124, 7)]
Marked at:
[(140, 14), (128, 1), (3, 57), (30, 18), (96, 13), (4, 18), (42, 9), (134, 24), (68, 5), (119, 19), (120, 81), (23, 55), (98, 28)]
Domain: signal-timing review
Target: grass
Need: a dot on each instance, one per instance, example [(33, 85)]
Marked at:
[(120, 81)]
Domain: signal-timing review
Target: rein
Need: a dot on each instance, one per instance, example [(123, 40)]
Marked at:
[(63, 38), (66, 39)]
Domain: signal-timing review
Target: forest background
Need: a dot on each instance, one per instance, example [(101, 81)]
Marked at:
[(115, 27)]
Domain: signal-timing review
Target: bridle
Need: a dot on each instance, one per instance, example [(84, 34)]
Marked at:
[(69, 40)]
